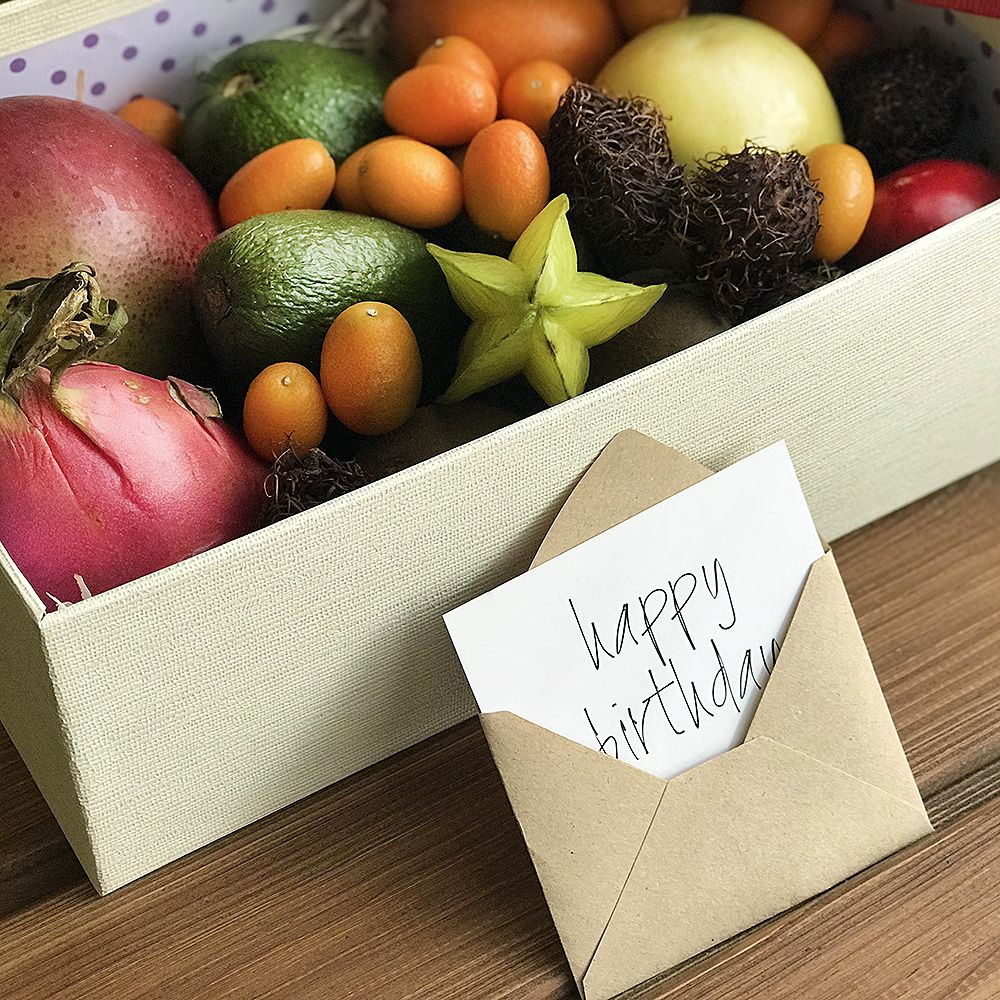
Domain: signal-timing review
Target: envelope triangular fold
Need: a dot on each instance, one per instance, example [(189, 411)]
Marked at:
[(735, 841), (642, 874), (631, 474), (584, 816), (824, 698)]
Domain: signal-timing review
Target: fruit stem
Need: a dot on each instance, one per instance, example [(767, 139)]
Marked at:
[(237, 85), (53, 322)]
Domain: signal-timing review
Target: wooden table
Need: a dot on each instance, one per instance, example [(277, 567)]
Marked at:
[(410, 880)]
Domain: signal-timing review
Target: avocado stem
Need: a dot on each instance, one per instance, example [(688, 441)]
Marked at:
[(237, 85), (214, 299)]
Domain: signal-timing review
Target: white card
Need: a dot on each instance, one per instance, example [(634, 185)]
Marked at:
[(652, 641)]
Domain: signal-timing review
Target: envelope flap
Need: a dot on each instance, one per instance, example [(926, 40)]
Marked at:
[(584, 816), (631, 474), (823, 697), (735, 841)]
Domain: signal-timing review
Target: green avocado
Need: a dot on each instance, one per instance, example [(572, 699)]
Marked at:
[(268, 289), (270, 92)]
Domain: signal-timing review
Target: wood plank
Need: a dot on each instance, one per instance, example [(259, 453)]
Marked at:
[(400, 882), (923, 925), (411, 881), (34, 855), (925, 585)]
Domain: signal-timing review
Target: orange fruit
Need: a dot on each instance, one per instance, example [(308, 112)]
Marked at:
[(800, 20), (295, 174), (156, 118), (284, 408), (370, 368), (844, 37), (636, 16), (347, 186), (506, 178), (531, 93), (439, 104), (411, 183), (845, 178), (456, 51), (581, 35)]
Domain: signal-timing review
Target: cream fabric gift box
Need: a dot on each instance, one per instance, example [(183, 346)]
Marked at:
[(172, 711)]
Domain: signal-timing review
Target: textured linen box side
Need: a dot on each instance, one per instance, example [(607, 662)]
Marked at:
[(30, 710), (215, 692)]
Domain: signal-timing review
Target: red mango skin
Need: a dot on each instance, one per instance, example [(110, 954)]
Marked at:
[(80, 184), (920, 198), (133, 483)]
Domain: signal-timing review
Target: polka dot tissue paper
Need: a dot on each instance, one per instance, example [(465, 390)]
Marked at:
[(154, 51)]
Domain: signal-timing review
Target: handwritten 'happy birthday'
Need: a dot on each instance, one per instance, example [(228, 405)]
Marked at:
[(676, 700)]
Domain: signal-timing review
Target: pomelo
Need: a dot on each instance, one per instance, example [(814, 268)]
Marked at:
[(723, 81), (79, 184)]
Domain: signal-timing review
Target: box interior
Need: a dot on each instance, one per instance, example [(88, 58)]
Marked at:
[(158, 49)]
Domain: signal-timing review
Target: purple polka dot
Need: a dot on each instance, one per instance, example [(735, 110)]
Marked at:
[(303, 18), (59, 76), (168, 64), (162, 16), (91, 40), (18, 65), (267, 6), (98, 89), (236, 40), (130, 53), (200, 28)]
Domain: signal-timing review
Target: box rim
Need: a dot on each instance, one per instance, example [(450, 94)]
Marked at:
[(25, 24), (31, 601), (177, 573)]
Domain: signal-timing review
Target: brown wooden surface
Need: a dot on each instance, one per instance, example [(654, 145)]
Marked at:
[(411, 881)]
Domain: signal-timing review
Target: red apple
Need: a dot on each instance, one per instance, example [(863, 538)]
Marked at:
[(80, 184), (920, 198)]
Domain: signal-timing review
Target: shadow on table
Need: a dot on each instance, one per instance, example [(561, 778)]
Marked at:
[(36, 861)]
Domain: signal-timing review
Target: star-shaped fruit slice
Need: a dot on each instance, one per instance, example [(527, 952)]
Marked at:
[(535, 312)]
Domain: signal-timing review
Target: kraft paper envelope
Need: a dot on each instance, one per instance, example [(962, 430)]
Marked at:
[(641, 873)]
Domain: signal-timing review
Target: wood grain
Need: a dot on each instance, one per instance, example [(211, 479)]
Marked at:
[(923, 924), (411, 881)]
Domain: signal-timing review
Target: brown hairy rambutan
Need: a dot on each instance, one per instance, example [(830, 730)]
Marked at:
[(902, 105), (611, 156), (748, 222), (301, 482)]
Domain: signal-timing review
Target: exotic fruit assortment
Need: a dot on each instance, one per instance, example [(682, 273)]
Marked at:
[(376, 244)]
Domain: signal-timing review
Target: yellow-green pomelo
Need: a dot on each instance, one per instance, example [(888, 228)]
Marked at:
[(722, 81)]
